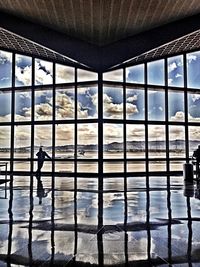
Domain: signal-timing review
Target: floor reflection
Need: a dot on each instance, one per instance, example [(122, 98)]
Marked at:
[(139, 221)]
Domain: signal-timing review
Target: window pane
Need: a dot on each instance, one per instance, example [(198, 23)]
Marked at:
[(22, 141), (5, 69), (22, 105), (87, 143), (43, 72), (87, 166), (113, 184), (155, 71), (64, 142), (113, 166), (176, 106), (113, 102), (155, 166), (193, 107), (156, 141), (135, 104), (115, 75), (43, 105), (175, 71), (87, 102), (156, 104), (135, 74), (85, 75), (136, 166), (64, 166), (5, 141), (23, 70), (135, 138), (176, 165), (194, 138), (43, 137), (87, 183), (65, 106), (64, 74), (176, 141), (193, 69), (113, 141), (5, 106)]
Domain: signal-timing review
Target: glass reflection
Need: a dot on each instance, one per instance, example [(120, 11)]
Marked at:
[(87, 105), (64, 74), (23, 70), (135, 104), (43, 72), (155, 72), (113, 141), (23, 108), (193, 70), (176, 106), (113, 102), (175, 71), (5, 69), (65, 105), (65, 224), (156, 105), (135, 74), (43, 105)]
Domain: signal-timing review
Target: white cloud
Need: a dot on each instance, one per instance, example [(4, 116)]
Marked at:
[(113, 133), (24, 75), (132, 98), (178, 75), (64, 74), (172, 66), (191, 57), (5, 57), (195, 97), (116, 75), (41, 76), (179, 116), (170, 81), (87, 134), (131, 109)]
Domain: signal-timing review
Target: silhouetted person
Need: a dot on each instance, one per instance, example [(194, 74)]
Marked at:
[(40, 191), (196, 155), (41, 157)]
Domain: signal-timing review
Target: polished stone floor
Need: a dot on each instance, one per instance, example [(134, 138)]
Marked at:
[(65, 221)]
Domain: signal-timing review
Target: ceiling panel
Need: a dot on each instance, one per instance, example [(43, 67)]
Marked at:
[(101, 22)]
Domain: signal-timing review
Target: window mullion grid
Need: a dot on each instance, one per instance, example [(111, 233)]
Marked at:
[(166, 116), (32, 114), (146, 118), (186, 108), (54, 117), (12, 114), (100, 150)]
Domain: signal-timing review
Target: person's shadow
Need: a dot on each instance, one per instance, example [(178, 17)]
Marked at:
[(40, 190)]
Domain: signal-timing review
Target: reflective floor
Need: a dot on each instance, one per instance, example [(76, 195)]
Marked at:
[(64, 221)]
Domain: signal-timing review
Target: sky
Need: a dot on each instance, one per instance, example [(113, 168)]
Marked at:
[(87, 96)]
